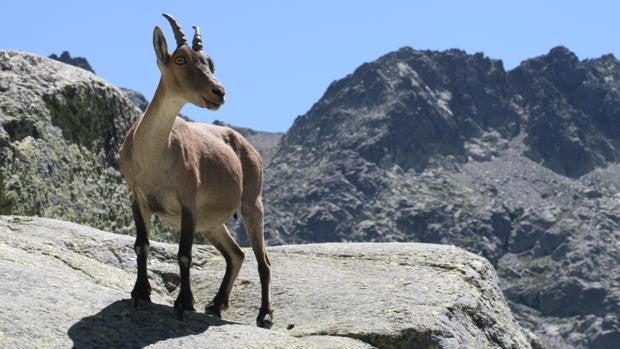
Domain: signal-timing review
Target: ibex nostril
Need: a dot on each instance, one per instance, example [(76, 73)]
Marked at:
[(218, 91)]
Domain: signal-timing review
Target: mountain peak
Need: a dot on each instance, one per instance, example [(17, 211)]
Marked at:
[(561, 52)]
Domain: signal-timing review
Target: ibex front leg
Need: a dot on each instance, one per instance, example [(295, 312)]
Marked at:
[(142, 288), (185, 300)]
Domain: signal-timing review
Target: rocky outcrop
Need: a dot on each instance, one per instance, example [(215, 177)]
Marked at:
[(136, 98), (79, 62), (446, 147), (70, 281), (60, 131), (573, 110)]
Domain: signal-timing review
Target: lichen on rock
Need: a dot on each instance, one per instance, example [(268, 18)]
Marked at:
[(61, 130)]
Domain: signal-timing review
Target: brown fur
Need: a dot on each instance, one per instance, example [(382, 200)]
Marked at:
[(193, 176)]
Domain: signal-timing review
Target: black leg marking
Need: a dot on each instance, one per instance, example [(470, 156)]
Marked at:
[(265, 314), (185, 300), (142, 288)]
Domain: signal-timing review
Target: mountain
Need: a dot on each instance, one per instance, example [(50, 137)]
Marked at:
[(518, 166)]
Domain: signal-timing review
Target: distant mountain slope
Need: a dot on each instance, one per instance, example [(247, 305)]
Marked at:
[(520, 167)]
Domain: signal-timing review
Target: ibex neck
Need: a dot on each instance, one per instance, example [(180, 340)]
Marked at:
[(158, 119)]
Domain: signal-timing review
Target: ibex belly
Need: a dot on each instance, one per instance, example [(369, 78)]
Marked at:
[(216, 200)]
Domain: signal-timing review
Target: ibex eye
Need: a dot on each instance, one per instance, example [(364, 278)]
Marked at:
[(179, 60)]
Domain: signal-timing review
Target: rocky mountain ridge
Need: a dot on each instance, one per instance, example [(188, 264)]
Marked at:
[(447, 147)]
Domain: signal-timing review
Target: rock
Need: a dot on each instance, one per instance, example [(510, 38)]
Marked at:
[(572, 126), (71, 281), (136, 98), (79, 62), (61, 128), (572, 297), (555, 235)]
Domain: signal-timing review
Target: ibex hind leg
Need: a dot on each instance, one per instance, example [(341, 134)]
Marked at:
[(234, 256), (252, 213)]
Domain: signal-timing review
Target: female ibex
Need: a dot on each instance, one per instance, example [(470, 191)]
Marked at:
[(193, 176)]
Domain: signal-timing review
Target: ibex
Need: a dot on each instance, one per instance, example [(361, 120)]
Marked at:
[(194, 176)]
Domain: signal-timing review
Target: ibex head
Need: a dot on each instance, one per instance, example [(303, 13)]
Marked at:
[(188, 71)]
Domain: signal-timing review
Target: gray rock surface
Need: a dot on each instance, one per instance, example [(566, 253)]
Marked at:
[(60, 129), (136, 98), (65, 284)]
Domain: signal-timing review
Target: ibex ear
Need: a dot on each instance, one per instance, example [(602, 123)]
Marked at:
[(160, 45)]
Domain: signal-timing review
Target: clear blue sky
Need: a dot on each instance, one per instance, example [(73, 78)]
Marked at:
[(276, 58)]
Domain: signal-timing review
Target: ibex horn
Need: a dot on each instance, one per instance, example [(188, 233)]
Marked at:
[(176, 29), (197, 42)]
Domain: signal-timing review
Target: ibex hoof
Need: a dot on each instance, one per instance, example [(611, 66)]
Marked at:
[(265, 321), (141, 292), (183, 302), (213, 309), (180, 312), (135, 301)]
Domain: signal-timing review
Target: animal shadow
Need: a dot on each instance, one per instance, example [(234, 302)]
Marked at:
[(119, 325)]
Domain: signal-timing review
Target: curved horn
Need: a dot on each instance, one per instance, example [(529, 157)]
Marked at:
[(197, 42), (176, 29)]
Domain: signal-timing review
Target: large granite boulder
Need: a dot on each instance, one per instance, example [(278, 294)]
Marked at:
[(60, 130), (67, 284)]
